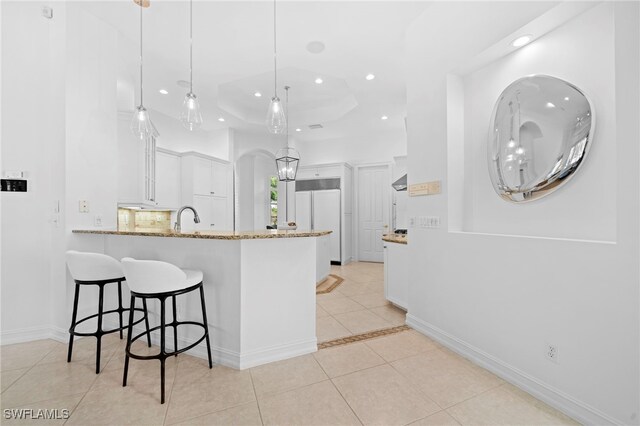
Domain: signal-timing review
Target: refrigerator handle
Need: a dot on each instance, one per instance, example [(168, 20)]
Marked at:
[(312, 211)]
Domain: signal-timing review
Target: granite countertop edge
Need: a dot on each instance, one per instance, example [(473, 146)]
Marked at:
[(395, 238), (211, 235)]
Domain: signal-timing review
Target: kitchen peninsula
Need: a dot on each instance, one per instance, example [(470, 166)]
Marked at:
[(260, 286)]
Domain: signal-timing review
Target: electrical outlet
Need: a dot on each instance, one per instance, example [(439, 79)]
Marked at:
[(83, 206), (551, 352), (412, 222)]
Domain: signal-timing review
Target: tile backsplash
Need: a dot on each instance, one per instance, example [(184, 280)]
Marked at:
[(143, 220)]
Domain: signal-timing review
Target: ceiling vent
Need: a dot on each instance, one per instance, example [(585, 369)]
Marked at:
[(315, 126)]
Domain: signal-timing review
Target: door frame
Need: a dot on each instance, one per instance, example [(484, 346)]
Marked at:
[(356, 206)]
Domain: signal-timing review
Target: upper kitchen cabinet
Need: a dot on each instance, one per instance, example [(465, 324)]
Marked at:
[(136, 166), (206, 185), (168, 178), (209, 176)]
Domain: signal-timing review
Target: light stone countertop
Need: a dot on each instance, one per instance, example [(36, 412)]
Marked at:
[(395, 238), (213, 235)]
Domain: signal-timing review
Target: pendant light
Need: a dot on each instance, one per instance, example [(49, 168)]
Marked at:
[(276, 118), (141, 124), (287, 158), (191, 117)]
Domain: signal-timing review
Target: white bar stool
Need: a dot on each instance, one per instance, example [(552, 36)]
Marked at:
[(97, 269), (151, 279)]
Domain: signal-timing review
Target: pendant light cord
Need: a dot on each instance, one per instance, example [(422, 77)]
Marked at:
[(190, 46), (275, 56), (286, 112), (141, 91)]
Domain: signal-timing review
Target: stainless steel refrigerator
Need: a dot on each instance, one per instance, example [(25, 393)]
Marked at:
[(318, 208)]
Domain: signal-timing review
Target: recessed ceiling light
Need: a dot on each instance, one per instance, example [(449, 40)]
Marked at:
[(298, 130), (257, 94), (566, 98), (318, 80), (221, 119), (384, 117), (370, 77), (164, 92), (315, 47), (550, 105), (521, 41)]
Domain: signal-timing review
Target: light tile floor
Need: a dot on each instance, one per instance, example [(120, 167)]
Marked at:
[(400, 379), (357, 305)]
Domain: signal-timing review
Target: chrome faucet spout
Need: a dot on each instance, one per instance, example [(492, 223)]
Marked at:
[(177, 226)]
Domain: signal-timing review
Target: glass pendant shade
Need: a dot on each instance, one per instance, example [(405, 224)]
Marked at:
[(191, 117), (141, 124), (287, 160), (276, 118)]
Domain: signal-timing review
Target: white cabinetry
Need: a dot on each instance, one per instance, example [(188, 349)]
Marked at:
[(396, 278), (206, 185), (168, 178), (343, 171), (136, 166)]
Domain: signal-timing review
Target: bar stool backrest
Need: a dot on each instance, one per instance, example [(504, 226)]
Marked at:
[(152, 276), (93, 266)]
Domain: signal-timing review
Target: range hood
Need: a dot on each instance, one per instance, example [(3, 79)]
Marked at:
[(400, 184)]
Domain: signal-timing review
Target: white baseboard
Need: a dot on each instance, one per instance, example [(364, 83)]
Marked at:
[(23, 335), (580, 411), (234, 359)]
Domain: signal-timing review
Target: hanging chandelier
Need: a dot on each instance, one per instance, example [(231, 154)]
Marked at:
[(276, 118), (287, 158), (141, 124), (191, 117)]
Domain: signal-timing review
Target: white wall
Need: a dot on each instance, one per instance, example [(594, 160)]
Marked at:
[(252, 190), (33, 134), (378, 149), (499, 299)]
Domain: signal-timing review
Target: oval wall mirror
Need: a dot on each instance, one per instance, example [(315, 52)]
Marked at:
[(541, 130)]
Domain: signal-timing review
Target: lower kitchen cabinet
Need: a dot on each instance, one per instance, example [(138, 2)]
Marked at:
[(396, 274)]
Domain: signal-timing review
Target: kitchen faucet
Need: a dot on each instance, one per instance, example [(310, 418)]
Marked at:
[(177, 227)]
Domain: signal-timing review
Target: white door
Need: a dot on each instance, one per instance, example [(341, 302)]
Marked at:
[(303, 210), (373, 211), (326, 217), (219, 176)]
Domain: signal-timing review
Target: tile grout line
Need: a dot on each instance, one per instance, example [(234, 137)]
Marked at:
[(255, 394)]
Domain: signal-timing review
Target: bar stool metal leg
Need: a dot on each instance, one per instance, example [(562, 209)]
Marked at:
[(120, 310), (206, 324), (73, 321), (146, 321), (175, 326), (129, 334), (162, 351), (99, 332)]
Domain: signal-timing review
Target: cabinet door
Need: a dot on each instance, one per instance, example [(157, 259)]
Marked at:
[(167, 180), (396, 277), (202, 176), (202, 204), (219, 179), (219, 217), (307, 174), (326, 217)]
